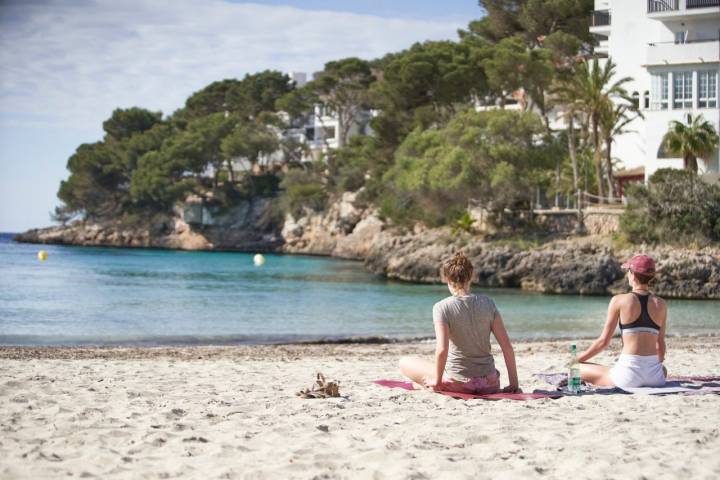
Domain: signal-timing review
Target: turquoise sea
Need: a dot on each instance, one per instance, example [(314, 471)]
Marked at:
[(112, 296)]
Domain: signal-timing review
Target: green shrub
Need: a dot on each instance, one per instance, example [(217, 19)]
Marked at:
[(302, 189), (463, 224), (675, 207), (491, 157), (261, 185)]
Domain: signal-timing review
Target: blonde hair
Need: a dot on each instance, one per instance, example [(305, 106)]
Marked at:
[(457, 269)]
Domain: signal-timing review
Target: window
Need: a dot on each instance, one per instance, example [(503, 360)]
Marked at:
[(310, 133), (680, 37), (707, 89), (636, 99), (682, 90), (329, 133), (646, 100), (659, 95)]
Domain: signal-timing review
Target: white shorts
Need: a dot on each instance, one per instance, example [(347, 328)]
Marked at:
[(637, 371)]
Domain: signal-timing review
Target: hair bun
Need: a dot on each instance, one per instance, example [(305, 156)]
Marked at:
[(457, 269)]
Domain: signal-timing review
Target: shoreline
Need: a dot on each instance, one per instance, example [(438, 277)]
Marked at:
[(18, 352), (327, 341)]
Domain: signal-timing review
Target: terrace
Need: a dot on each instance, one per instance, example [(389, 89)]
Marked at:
[(678, 9)]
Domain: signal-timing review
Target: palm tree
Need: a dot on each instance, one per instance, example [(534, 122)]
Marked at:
[(692, 140), (594, 87), (613, 120), (566, 94)]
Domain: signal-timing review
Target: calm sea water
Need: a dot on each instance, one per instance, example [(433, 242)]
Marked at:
[(131, 296)]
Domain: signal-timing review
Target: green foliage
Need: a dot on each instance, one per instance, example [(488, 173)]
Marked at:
[(96, 186), (302, 189), (262, 90), (352, 167), (297, 102), (424, 87), (534, 20), (244, 98), (675, 207), (428, 155), (253, 186), (249, 140), (490, 157), (124, 123), (158, 181), (594, 93), (692, 140), (463, 224), (509, 66)]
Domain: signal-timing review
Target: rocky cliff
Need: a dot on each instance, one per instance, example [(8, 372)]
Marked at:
[(585, 265), (249, 226)]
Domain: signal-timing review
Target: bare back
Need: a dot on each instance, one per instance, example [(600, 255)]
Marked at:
[(629, 310)]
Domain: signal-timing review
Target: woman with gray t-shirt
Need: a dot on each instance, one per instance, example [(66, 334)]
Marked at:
[(463, 323)]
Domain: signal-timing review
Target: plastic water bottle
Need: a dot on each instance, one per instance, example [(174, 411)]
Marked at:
[(573, 385)]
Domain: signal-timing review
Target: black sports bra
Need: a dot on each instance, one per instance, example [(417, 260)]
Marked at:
[(643, 323)]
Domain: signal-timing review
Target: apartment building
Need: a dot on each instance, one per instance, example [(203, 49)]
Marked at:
[(671, 49), (319, 129)]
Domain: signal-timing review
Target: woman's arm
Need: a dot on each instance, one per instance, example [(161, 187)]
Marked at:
[(661, 335), (613, 316), (442, 345), (501, 335)]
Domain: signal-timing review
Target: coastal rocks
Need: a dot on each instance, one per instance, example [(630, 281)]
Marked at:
[(552, 269), (564, 271), (344, 230), (358, 243), (247, 227), (602, 223), (687, 273)]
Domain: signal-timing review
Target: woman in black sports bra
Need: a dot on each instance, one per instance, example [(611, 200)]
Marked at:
[(642, 319)]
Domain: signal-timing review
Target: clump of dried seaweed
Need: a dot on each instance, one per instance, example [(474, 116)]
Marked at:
[(321, 388)]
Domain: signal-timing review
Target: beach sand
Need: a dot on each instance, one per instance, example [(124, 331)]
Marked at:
[(232, 412)]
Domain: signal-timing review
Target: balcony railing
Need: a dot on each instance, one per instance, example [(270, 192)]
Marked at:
[(702, 3), (672, 53), (600, 18), (662, 5), (699, 40)]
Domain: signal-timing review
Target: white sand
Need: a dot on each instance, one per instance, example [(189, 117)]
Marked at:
[(164, 413)]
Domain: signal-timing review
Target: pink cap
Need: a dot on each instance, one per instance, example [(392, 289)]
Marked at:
[(640, 264)]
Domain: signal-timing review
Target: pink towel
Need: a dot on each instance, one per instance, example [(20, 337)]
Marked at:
[(469, 396)]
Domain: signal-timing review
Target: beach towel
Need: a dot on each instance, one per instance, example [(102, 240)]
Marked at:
[(686, 385), (472, 396)]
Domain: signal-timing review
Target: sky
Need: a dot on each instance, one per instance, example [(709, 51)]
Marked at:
[(65, 65)]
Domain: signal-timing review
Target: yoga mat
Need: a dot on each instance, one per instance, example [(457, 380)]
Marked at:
[(471, 396), (686, 385), (669, 387)]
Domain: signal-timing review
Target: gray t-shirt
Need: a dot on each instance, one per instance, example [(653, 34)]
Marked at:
[(469, 319)]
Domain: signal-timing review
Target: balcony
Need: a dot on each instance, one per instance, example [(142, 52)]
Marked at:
[(690, 52), (655, 6), (600, 22), (683, 9), (702, 3), (600, 18)]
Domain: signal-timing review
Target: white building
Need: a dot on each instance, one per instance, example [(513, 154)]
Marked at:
[(318, 131), (671, 49), (320, 128)]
